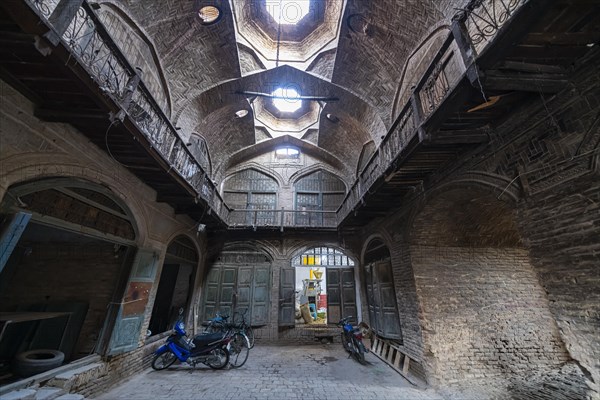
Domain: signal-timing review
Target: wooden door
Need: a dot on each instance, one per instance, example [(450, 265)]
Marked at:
[(341, 295), (287, 297)]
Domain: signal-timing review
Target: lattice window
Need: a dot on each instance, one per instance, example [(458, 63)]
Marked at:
[(323, 257), (319, 191)]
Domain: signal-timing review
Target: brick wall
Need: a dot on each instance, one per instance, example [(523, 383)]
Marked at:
[(563, 230), (483, 313), (58, 272)]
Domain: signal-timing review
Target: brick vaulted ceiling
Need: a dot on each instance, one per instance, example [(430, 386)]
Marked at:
[(205, 65)]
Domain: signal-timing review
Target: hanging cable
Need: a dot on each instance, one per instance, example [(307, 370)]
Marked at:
[(279, 33)]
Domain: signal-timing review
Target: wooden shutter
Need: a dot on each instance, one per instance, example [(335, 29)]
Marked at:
[(126, 332), (260, 295)]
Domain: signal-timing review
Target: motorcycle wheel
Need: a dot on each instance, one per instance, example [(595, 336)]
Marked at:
[(345, 343), (359, 353), (219, 358), (163, 361)]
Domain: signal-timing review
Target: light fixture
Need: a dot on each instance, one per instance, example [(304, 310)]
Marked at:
[(209, 15), (287, 100), (332, 118), (241, 113)]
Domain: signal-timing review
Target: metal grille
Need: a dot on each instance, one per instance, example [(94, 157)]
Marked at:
[(323, 257)]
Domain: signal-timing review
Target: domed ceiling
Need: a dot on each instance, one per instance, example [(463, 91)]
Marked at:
[(333, 65)]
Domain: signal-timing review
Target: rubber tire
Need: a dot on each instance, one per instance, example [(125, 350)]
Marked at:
[(250, 335), (359, 353), (345, 343), (223, 352), (164, 365), (239, 349), (34, 362)]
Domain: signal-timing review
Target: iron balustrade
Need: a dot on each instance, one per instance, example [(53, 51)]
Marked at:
[(484, 18), (94, 49), (282, 218)]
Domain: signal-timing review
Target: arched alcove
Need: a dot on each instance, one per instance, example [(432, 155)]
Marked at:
[(482, 308), (322, 280), (176, 284), (72, 243)]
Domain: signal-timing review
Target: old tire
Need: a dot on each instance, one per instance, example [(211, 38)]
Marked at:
[(34, 362)]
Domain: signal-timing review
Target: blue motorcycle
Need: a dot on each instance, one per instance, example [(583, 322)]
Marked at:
[(209, 349), (352, 340)]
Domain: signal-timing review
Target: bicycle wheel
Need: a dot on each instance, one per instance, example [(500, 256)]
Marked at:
[(218, 359), (250, 335), (238, 350), (164, 360)]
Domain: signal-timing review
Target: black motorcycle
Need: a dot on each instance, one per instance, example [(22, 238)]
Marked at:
[(352, 340)]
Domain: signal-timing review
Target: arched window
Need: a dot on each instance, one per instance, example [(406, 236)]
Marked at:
[(317, 192), (251, 190)]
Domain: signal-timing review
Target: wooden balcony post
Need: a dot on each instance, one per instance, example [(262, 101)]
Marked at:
[(61, 18), (281, 220), (417, 106), (461, 37)]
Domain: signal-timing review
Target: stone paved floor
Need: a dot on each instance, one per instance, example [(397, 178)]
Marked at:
[(277, 372)]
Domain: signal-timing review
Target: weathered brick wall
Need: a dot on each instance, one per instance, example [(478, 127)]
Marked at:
[(483, 313), (58, 272), (563, 231)]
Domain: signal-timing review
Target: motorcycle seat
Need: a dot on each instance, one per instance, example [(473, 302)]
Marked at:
[(208, 338)]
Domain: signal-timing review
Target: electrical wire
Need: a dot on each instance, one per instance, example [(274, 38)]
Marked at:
[(108, 148)]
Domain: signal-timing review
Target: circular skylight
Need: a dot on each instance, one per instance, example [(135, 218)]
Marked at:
[(288, 12), (209, 15), (287, 100)]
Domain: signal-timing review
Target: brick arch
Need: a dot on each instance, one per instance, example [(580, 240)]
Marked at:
[(466, 217), (34, 166), (482, 308)]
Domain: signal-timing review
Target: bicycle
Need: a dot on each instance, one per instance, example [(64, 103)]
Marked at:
[(239, 345)]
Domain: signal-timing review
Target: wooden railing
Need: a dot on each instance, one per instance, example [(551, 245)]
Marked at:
[(75, 24)]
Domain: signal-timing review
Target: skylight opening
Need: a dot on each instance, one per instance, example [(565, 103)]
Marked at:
[(287, 153), (288, 12), (287, 100)]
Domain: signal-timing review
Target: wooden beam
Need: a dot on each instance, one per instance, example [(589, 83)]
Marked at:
[(67, 115), (526, 82)]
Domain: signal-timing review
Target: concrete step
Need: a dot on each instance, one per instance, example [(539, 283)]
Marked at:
[(48, 393), (71, 396), (22, 394), (73, 377)]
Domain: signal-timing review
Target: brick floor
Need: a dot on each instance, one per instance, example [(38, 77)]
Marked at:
[(277, 372)]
